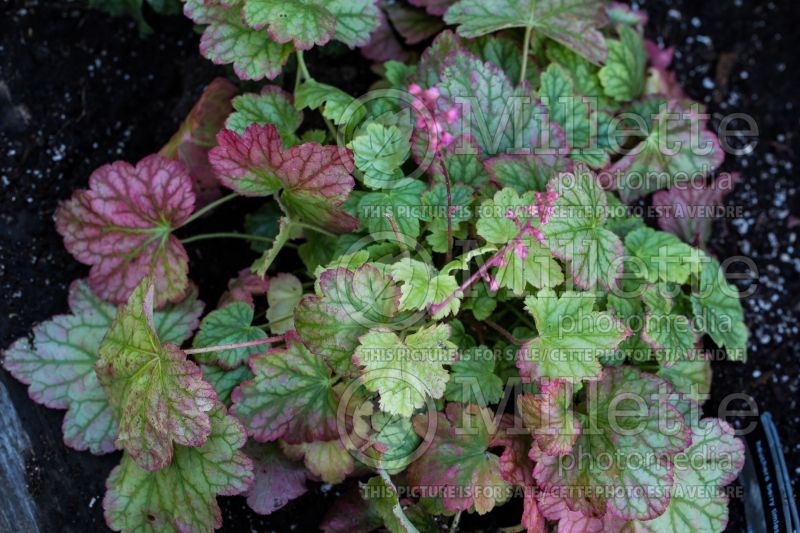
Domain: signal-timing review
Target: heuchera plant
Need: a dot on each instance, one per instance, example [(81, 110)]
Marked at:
[(451, 304)]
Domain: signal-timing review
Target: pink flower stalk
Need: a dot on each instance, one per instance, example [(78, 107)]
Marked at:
[(432, 120), (545, 202)]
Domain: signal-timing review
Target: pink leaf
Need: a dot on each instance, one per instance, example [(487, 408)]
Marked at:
[(686, 208), (197, 135), (278, 480), (315, 179), (122, 226), (243, 287), (383, 44)]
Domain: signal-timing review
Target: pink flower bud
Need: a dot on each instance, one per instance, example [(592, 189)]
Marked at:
[(431, 95), (447, 138), (451, 115), (415, 89), (494, 285)]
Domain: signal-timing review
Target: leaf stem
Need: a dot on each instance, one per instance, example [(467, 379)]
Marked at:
[(397, 234), (227, 235), (503, 331), (521, 316), (301, 65), (313, 228), (234, 346), (303, 69), (435, 309), (203, 210), (397, 510), (526, 44), (446, 174), (454, 524)]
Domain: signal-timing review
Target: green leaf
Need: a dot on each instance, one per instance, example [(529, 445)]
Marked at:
[(224, 381), (597, 475), (575, 230), (401, 202), (528, 264), (351, 303), (405, 372), (337, 106), (286, 231), (182, 496), (623, 75), (676, 149), (291, 397), (718, 311), (573, 23), (572, 113), (379, 153), (58, 363), (472, 378), (157, 394), (494, 224), (571, 337), (422, 286), (690, 378), (504, 53), (271, 106), (630, 312), (415, 277), (227, 40), (525, 173), (302, 22), (582, 72), (228, 325), (457, 461), (672, 336), (396, 439), (355, 20), (283, 295), (664, 256), (329, 460), (384, 498), (495, 115), (713, 460)]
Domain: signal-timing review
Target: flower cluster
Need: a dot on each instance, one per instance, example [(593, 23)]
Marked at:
[(431, 119)]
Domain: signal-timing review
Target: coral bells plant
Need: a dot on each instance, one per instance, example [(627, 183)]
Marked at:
[(449, 305)]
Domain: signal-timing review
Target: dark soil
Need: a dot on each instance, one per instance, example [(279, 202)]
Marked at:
[(79, 89)]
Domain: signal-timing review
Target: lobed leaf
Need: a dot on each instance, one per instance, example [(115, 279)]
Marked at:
[(405, 372), (574, 23), (672, 152), (623, 75), (350, 304), (157, 395), (457, 463), (182, 496), (122, 226), (229, 325), (718, 311), (277, 479), (624, 400), (575, 230), (227, 39), (58, 363), (271, 106), (571, 337), (290, 397), (315, 180)]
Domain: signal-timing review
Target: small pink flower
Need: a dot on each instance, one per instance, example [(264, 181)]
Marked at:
[(451, 115), (415, 89)]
